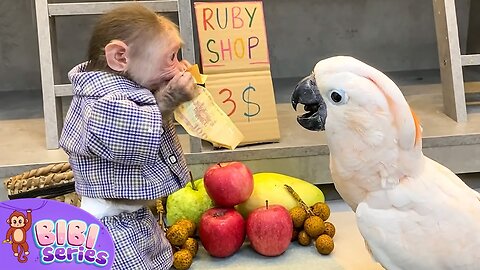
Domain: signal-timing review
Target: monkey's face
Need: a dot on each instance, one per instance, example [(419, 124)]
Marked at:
[(157, 63), (17, 222)]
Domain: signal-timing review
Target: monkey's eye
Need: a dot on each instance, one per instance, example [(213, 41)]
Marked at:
[(20, 221), (14, 221)]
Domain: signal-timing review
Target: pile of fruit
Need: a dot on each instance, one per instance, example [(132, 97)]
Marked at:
[(185, 246), (230, 204), (311, 224)]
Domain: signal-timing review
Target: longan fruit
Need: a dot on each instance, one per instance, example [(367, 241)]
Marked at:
[(314, 226), (329, 229), (177, 235), (294, 235), (189, 225), (304, 239), (322, 210), (191, 245), (182, 259), (298, 215), (324, 244)]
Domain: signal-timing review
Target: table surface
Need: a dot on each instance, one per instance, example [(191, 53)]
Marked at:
[(349, 251)]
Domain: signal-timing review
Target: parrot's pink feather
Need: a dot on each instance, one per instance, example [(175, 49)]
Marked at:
[(418, 128)]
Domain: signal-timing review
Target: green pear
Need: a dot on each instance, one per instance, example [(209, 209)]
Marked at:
[(188, 202)]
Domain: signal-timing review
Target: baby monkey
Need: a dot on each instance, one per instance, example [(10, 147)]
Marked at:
[(119, 132)]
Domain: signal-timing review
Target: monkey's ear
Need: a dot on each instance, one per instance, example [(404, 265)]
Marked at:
[(116, 55), (8, 220)]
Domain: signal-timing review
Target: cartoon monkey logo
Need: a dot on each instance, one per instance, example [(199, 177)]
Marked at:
[(17, 234)]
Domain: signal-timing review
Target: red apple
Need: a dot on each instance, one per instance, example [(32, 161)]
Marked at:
[(269, 229), (221, 231), (228, 184)]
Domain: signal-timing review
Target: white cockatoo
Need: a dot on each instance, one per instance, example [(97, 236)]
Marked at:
[(412, 212)]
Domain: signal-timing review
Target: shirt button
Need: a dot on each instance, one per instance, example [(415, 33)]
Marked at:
[(172, 159)]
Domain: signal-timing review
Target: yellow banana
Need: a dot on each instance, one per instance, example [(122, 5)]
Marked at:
[(270, 186)]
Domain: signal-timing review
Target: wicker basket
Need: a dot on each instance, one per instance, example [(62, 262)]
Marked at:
[(54, 181)]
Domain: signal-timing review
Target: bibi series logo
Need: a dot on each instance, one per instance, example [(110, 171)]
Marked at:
[(46, 234)]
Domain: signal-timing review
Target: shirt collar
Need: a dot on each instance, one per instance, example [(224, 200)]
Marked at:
[(101, 83)]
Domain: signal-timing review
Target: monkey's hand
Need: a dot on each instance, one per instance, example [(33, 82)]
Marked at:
[(185, 64), (180, 89), (29, 210), (6, 241)]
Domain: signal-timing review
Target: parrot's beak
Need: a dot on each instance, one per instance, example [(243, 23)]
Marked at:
[(306, 93)]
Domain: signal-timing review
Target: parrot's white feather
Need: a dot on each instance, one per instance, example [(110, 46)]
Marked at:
[(413, 212), (437, 225)]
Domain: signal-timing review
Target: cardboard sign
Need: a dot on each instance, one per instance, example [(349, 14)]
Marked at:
[(234, 55)]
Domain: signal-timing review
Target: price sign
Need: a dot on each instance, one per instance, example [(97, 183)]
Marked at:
[(234, 55)]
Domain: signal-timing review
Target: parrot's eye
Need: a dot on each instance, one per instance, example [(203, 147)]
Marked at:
[(338, 96)]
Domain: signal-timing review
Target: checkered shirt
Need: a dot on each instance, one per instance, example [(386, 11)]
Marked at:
[(117, 143), (140, 243)]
